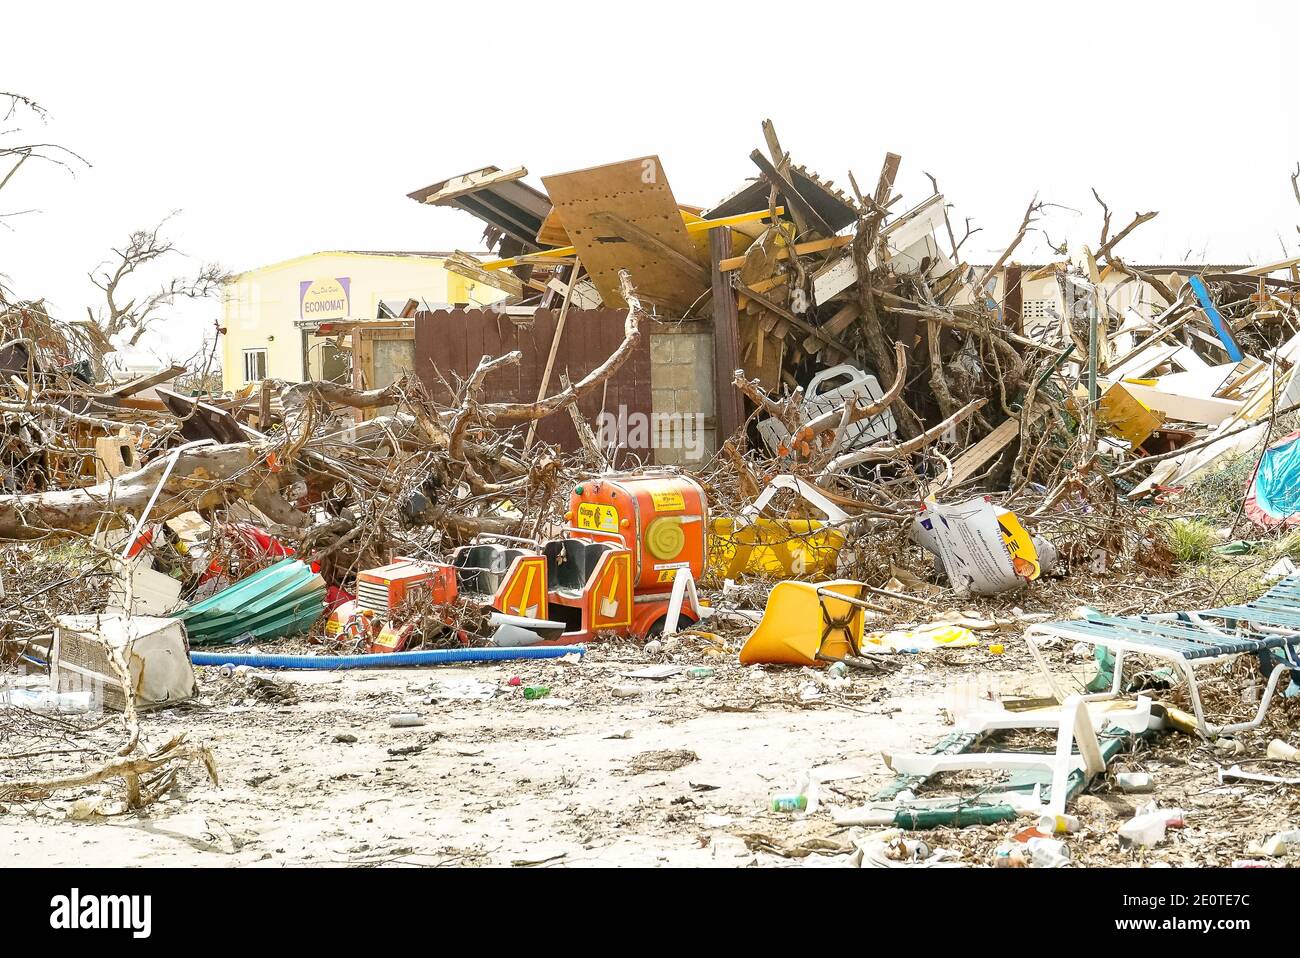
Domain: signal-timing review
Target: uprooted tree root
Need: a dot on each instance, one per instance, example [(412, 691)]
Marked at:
[(144, 779)]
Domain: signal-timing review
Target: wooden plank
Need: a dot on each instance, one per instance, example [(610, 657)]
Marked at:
[(201, 420), (1208, 411), (637, 191), (559, 254), (888, 173), (147, 382), (815, 246), (970, 461), (763, 360), (555, 345), (840, 321), (727, 401), (802, 324), (1013, 298), (463, 264), (916, 223), (1139, 365), (142, 405)]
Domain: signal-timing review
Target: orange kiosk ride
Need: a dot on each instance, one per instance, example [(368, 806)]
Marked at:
[(627, 536), (625, 539)]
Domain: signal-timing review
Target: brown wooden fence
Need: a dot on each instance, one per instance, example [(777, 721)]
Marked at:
[(453, 341)]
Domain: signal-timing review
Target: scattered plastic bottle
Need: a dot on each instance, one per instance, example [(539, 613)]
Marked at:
[(405, 720), (1059, 824), (536, 691), (838, 670), (789, 803), (1147, 828), (700, 672), (1280, 750), (1048, 853), (1134, 782), (803, 798)]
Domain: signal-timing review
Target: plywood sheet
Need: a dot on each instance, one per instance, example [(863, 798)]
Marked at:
[(637, 192), (1210, 412)]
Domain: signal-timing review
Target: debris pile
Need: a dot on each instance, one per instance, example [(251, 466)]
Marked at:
[(911, 450)]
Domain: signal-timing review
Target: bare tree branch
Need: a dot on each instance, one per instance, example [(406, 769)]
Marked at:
[(1034, 207), (141, 312), (1108, 244), (1105, 223), (20, 153)]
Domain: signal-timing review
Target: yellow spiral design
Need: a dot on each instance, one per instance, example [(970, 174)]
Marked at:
[(665, 537)]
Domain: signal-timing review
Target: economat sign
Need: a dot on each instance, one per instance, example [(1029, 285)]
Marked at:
[(324, 298)]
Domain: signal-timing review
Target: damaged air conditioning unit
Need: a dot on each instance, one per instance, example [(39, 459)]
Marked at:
[(153, 649)]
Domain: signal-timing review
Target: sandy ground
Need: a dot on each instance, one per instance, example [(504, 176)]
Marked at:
[(493, 782), (609, 770)]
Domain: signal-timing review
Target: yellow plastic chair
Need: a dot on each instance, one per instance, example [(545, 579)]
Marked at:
[(808, 624)]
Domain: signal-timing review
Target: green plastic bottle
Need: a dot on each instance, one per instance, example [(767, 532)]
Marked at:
[(789, 803), (536, 691)]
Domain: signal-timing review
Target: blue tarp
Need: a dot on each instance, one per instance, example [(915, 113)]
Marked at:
[(1277, 481)]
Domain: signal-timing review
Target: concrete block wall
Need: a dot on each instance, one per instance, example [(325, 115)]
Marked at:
[(682, 395)]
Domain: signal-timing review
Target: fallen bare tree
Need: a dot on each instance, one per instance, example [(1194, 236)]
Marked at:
[(143, 779)]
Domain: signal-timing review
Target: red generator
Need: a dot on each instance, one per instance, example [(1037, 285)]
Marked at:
[(380, 592)]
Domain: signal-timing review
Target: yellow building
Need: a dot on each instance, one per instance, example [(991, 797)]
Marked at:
[(273, 313)]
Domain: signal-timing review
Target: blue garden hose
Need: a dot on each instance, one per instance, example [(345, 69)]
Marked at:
[(382, 660)]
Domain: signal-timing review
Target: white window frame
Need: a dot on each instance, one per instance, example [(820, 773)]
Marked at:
[(251, 363)]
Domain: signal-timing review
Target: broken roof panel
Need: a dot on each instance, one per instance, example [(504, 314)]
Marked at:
[(498, 197), (837, 209)]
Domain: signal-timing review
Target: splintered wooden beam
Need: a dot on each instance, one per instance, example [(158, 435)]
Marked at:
[(726, 337), (462, 264), (815, 246), (843, 317), (885, 185), (970, 461), (802, 324), (146, 382), (792, 195)]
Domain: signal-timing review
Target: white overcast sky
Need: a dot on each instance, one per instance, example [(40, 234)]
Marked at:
[(284, 128)]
